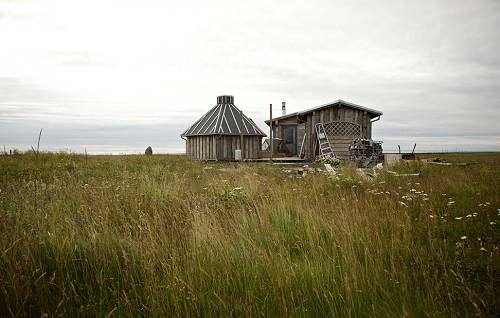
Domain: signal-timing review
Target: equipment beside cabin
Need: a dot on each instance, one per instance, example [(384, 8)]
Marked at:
[(279, 148), (366, 152)]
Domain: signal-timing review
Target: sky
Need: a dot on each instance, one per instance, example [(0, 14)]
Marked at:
[(118, 76)]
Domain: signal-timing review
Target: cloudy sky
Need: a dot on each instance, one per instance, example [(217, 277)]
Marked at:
[(117, 76)]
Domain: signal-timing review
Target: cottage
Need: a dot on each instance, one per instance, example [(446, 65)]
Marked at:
[(343, 123), (221, 131)]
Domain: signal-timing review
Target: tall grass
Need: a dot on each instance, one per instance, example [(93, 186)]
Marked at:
[(163, 236)]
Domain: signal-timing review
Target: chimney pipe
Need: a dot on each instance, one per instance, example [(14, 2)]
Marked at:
[(283, 108)]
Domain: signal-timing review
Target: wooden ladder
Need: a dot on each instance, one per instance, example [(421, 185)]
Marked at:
[(325, 149)]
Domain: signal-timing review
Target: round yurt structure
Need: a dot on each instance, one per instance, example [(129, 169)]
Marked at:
[(222, 131)]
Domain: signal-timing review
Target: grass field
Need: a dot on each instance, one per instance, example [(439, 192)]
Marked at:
[(162, 236)]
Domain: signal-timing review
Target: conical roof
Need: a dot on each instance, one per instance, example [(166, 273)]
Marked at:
[(224, 119)]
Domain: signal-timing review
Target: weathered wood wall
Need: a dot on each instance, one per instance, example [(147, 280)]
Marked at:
[(252, 145), (340, 146), (301, 130), (222, 147), (278, 129), (343, 113), (201, 147), (335, 113)]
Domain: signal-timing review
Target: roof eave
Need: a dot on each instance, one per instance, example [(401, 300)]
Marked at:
[(371, 111), (224, 134), (282, 117)]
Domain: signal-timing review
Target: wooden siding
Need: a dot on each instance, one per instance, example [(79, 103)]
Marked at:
[(340, 146), (214, 147), (252, 146), (201, 147), (301, 130), (335, 113), (277, 129)]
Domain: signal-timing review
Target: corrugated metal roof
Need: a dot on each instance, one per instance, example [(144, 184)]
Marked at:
[(338, 102), (224, 119)]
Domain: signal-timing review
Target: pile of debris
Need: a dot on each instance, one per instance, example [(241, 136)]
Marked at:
[(393, 159), (279, 148), (300, 172), (443, 162), (366, 152)]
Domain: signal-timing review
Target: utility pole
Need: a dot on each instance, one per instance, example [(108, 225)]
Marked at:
[(271, 141), (241, 135)]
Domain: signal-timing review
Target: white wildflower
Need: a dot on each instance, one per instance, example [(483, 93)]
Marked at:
[(458, 218), (403, 204)]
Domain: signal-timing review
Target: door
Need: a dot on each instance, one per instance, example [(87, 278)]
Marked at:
[(290, 138)]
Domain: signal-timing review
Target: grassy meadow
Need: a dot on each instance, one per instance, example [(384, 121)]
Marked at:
[(164, 236)]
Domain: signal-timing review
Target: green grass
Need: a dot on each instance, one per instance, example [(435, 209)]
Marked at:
[(163, 236)]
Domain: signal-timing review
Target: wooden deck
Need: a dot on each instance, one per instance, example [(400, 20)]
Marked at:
[(282, 160)]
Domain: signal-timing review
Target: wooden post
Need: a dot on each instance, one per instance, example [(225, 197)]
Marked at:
[(271, 141), (241, 136)]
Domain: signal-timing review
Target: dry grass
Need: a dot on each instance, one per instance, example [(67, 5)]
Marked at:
[(162, 236)]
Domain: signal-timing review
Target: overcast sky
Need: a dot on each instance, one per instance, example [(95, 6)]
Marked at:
[(117, 76)]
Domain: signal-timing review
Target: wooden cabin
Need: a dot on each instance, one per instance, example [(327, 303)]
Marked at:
[(220, 132), (343, 122)]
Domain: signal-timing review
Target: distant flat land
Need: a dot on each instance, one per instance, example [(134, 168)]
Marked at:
[(165, 236)]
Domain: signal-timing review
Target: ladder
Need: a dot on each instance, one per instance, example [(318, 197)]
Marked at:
[(325, 150)]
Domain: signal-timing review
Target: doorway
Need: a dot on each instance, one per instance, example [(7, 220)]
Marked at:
[(290, 138)]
